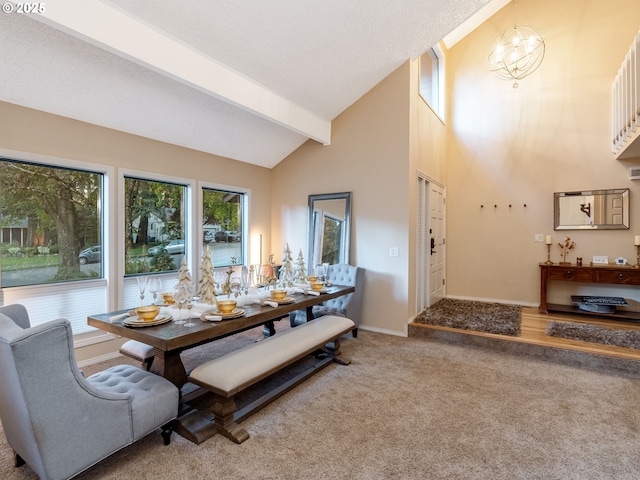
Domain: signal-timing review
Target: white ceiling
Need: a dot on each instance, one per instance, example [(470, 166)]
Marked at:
[(246, 79)]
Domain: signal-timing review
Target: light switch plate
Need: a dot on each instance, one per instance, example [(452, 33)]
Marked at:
[(393, 252), (600, 260)]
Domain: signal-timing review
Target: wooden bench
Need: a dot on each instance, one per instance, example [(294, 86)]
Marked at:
[(232, 373)]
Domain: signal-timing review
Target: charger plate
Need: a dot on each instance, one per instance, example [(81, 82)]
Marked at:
[(235, 313), (138, 322)]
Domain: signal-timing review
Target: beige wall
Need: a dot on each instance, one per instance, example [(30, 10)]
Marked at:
[(427, 159), (517, 146), (368, 155), (26, 130)]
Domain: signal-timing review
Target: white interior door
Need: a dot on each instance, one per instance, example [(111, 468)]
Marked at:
[(437, 243), (430, 243)]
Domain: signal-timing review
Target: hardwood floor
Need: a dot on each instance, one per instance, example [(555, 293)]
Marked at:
[(533, 332)]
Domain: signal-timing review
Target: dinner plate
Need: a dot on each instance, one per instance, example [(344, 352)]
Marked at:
[(235, 313), (138, 322), (284, 301)]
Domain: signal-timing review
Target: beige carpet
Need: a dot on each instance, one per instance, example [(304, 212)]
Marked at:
[(414, 409)]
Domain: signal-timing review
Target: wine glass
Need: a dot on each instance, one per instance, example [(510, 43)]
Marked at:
[(219, 277), (320, 273), (155, 285), (189, 322), (181, 298), (142, 286)]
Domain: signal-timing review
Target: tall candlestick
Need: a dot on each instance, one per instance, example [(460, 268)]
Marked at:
[(548, 240), (260, 249), (637, 240)]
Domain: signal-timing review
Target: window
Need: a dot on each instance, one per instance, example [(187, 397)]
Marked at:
[(50, 224), (154, 225), (222, 225), (51, 212), (432, 80)]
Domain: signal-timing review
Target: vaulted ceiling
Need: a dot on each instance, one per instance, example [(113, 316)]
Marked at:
[(246, 79)]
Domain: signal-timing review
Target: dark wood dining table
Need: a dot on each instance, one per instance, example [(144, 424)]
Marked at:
[(169, 339)]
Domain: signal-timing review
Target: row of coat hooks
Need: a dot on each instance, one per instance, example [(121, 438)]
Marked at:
[(496, 206)]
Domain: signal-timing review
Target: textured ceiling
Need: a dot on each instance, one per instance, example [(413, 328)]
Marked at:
[(250, 80)]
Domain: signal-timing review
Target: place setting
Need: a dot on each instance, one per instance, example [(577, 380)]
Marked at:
[(146, 316)]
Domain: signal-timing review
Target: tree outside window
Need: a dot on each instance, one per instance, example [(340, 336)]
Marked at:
[(48, 216), (222, 225), (154, 225)]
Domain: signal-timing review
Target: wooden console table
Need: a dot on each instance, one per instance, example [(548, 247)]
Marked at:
[(609, 274)]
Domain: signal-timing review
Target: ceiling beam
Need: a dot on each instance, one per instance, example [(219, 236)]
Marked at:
[(112, 30)]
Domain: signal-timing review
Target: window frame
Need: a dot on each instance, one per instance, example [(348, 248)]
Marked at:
[(244, 234), (438, 52), (27, 293), (126, 286)]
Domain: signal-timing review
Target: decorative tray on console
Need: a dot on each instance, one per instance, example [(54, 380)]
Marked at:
[(598, 304)]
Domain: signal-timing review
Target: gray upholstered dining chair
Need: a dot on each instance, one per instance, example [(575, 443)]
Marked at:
[(349, 306), (59, 422)]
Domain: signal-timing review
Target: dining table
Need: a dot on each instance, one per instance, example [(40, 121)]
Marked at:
[(170, 339)]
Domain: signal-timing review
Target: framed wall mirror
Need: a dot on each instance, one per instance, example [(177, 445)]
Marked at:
[(329, 229), (592, 210)]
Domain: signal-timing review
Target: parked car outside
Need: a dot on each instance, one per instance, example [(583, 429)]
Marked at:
[(173, 247), (92, 254), (227, 236)]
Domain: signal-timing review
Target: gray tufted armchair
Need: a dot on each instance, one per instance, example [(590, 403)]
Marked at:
[(349, 306), (59, 422)]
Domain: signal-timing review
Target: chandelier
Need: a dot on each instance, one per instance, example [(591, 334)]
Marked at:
[(516, 52)]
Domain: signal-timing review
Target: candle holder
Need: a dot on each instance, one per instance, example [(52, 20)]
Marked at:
[(548, 262), (637, 265)]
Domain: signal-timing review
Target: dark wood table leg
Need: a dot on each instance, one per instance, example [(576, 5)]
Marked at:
[(169, 365)]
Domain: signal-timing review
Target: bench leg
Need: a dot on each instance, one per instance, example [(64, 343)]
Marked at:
[(223, 410), (333, 349)]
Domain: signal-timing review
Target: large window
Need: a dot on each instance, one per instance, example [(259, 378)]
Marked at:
[(52, 258), (50, 224), (222, 225), (154, 225)]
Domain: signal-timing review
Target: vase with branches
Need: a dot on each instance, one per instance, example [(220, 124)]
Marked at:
[(565, 248)]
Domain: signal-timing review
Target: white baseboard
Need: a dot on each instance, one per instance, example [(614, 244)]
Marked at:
[(385, 331), (101, 358)]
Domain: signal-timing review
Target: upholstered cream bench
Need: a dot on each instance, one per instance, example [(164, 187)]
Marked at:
[(232, 373)]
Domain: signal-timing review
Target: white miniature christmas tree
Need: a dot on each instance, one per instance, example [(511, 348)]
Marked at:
[(207, 289), (286, 270), (300, 275), (184, 287)]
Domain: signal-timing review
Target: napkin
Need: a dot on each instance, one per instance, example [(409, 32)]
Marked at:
[(254, 297), (311, 292), (117, 318), (212, 318), (270, 303)]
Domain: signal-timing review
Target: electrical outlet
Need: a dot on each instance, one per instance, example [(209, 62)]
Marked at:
[(393, 252), (538, 237)]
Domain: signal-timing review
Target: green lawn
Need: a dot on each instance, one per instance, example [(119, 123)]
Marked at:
[(10, 263)]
